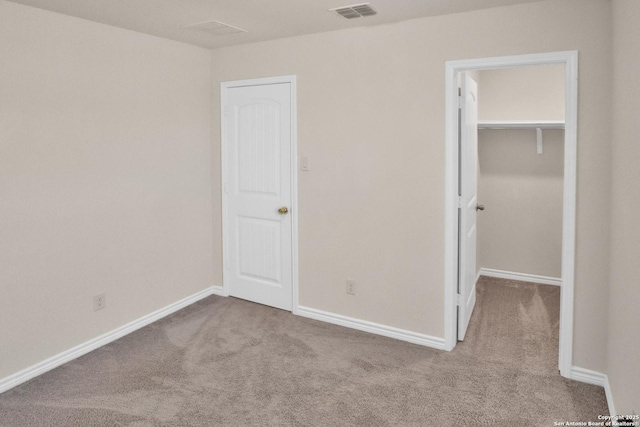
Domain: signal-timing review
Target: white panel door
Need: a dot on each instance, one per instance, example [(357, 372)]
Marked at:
[(258, 193), (468, 202)]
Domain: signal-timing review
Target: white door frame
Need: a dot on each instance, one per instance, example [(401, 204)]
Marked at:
[(224, 150), (570, 60)]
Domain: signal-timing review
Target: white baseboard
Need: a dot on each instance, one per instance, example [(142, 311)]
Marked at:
[(609, 394), (588, 376), (82, 349), (371, 327), (523, 277), (219, 290), (596, 378)]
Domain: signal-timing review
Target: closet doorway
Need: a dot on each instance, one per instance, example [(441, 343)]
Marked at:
[(520, 173), (500, 128)]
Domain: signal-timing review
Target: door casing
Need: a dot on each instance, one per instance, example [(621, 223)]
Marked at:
[(570, 60), (224, 86)]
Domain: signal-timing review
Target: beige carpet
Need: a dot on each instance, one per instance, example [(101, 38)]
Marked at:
[(224, 361)]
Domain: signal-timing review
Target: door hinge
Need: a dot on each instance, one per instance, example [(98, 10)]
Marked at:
[(460, 102), (459, 202), (458, 299)]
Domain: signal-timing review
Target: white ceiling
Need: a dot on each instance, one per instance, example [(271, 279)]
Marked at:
[(262, 19)]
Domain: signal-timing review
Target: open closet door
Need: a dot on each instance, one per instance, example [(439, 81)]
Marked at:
[(468, 191)]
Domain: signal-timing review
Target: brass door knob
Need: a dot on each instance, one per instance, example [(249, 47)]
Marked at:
[(283, 210), (479, 207)]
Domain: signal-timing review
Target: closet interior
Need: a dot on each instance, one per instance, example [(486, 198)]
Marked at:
[(520, 172)]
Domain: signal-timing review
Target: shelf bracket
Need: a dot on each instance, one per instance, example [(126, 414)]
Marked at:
[(539, 138)]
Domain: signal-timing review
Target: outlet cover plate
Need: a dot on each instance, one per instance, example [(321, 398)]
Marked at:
[(99, 302), (351, 287)]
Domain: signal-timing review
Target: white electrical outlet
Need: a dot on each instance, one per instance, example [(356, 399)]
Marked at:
[(304, 164), (351, 286), (99, 302)]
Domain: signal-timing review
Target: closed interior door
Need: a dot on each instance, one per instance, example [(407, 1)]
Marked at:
[(258, 193), (468, 202)]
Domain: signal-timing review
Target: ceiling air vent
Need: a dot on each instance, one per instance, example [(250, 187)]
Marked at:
[(216, 28), (355, 10)]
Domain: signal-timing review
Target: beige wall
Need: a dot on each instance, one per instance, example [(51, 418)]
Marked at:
[(623, 346), (521, 228), (525, 93), (371, 119), (105, 179)]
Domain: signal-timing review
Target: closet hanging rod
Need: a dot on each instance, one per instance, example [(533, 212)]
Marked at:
[(523, 124)]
